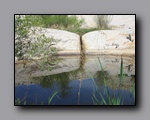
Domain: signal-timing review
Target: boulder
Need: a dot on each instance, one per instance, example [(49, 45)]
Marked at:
[(116, 42), (66, 42)]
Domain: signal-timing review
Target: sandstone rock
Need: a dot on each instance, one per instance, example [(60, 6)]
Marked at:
[(109, 42), (66, 42)]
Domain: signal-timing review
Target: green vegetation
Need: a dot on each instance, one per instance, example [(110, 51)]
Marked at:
[(30, 42), (102, 95), (51, 98), (56, 21), (108, 98), (103, 21), (47, 63), (22, 27), (19, 102), (69, 23), (62, 22), (23, 102), (81, 31), (62, 80)]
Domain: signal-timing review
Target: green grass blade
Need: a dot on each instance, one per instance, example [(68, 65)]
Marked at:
[(101, 68), (96, 100), (103, 99), (93, 81), (51, 98), (24, 103), (93, 101), (108, 96)]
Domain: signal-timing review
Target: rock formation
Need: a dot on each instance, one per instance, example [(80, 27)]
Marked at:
[(66, 42), (115, 42)]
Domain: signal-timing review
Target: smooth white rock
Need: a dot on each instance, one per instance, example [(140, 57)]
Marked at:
[(108, 40)]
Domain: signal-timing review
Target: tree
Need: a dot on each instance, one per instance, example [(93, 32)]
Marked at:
[(22, 27), (29, 42)]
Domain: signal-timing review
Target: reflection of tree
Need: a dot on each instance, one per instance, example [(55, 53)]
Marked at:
[(133, 78), (62, 80), (100, 75), (44, 81), (47, 63), (114, 81)]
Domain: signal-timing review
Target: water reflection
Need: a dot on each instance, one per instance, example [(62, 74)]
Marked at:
[(72, 78), (61, 80)]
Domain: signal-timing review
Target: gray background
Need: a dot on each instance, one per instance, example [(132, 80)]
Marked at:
[(9, 8)]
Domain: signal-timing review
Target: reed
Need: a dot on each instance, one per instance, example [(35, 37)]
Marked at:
[(105, 97), (51, 98), (19, 102)]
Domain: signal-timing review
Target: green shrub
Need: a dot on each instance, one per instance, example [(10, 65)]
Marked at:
[(103, 21), (55, 21), (24, 37), (69, 23)]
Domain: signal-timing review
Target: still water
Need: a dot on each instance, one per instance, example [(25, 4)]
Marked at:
[(76, 80)]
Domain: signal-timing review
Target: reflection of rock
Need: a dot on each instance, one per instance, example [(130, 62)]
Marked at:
[(108, 42), (69, 67), (111, 67), (114, 83), (31, 69), (65, 65), (110, 64)]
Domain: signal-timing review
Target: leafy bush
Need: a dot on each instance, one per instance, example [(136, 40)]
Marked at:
[(22, 26), (55, 21), (30, 42), (103, 21), (69, 23)]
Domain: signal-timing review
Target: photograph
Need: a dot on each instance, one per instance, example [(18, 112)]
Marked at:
[(74, 60)]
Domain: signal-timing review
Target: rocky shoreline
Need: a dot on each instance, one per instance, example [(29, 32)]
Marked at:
[(118, 41), (109, 42)]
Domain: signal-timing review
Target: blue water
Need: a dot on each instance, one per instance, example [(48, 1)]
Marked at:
[(72, 79), (35, 94)]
